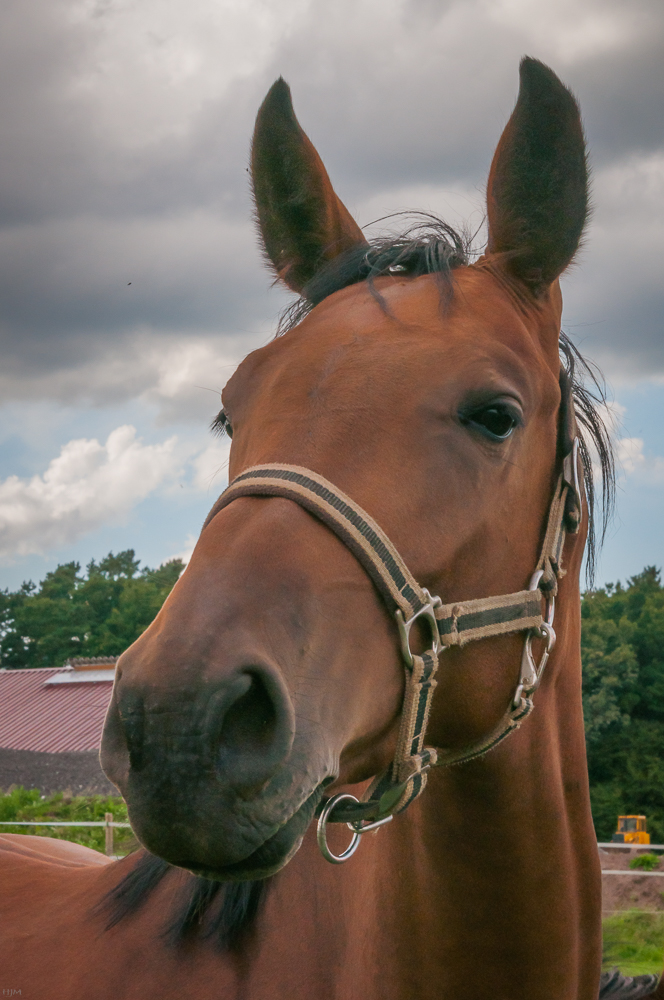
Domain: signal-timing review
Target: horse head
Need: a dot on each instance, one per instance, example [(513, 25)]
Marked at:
[(429, 391)]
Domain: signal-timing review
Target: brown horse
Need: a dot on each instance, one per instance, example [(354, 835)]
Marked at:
[(432, 393)]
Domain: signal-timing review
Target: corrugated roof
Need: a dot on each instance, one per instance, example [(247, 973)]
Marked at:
[(84, 676), (51, 718)]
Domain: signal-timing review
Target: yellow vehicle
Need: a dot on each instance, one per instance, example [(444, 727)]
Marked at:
[(631, 830)]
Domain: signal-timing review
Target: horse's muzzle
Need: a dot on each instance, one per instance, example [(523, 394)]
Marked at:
[(203, 773)]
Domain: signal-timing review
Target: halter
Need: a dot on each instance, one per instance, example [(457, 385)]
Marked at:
[(449, 625)]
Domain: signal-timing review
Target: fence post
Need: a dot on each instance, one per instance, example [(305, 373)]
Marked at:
[(108, 817)]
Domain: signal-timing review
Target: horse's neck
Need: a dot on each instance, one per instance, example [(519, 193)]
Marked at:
[(498, 865), (486, 888)]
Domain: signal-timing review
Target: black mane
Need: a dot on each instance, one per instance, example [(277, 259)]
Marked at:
[(428, 246), (618, 987), (589, 392), (222, 912)]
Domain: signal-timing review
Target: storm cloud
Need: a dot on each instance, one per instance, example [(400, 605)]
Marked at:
[(124, 202)]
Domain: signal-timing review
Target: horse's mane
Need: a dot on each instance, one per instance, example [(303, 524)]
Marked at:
[(218, 911), (431, 246), (619, 987), (590, 400)]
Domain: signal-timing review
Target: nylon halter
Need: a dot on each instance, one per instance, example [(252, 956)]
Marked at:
[(449, 624)]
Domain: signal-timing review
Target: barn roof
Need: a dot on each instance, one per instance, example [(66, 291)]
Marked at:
[(55, 709)]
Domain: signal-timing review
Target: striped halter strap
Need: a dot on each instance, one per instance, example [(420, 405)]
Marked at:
[(449, 625)]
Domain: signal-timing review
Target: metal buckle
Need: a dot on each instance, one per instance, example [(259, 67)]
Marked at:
[(531, 672), (550, 601), (357, 828), (426, 611)]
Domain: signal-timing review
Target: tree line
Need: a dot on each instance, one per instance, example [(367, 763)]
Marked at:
[(97, 613), (622, 648), (102, 611)]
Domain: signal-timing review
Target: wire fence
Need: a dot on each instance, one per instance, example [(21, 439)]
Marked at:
[(618, 845), (109, 824)]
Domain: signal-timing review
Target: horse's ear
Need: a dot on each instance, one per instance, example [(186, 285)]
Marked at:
[(538, 185), (301, 221)]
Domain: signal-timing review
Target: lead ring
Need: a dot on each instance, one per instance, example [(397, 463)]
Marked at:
[(335, 859)]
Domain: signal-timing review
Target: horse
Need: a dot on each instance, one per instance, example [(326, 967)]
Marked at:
[(373, 656)]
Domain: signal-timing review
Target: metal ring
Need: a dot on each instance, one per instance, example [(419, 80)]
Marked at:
[(335, 859)]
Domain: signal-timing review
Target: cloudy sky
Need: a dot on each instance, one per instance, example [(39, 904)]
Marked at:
[(130, 281)]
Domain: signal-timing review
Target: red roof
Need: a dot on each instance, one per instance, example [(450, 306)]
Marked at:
[(51, 717)]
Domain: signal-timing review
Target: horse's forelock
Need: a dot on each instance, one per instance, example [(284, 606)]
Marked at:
[(427, 246)]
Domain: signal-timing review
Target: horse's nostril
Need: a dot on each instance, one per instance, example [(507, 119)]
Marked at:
[(255, 731), (249, 724), (241, 731)]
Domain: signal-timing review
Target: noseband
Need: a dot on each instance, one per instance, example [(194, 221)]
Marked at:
[(449, 625)]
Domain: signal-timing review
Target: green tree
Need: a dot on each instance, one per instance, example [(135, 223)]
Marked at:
[(71, 614), (622, 652), (610, 669)]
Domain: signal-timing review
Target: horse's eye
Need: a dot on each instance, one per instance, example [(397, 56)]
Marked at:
[(496, 421), (222, 425)]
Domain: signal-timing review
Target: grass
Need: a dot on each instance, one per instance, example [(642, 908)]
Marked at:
[(647, 862), (29, 804), (634, 941)]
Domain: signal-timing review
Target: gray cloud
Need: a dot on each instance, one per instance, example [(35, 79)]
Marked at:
[(126, 129), (68, 283)]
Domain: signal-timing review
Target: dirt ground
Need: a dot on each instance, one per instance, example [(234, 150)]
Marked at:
[(635, 891)]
